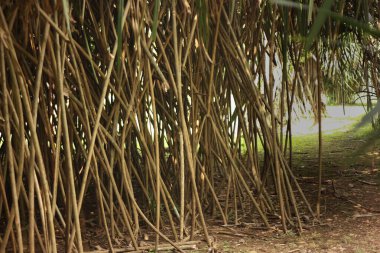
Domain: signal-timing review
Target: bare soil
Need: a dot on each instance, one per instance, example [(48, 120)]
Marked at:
[(350, 211), (350, 219)]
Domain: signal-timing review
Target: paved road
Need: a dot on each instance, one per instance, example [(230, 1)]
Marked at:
[(335, 120)]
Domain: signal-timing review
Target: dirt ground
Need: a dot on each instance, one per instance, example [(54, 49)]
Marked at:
[(350, 220), (350, 211)]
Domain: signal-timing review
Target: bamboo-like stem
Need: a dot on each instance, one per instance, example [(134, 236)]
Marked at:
[(180, 130), (184, 125), (102, 210), (319, 103), (182, 186), (10, 159), (157, 159), (67, 144)]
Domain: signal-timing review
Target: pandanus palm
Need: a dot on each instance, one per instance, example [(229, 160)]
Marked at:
[(150, 112)]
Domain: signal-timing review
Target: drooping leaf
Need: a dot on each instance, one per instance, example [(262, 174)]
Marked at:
[(349, 21), (157, 4), (354, 23), (318, 23), (203, 20), (369, 116), (310, 14), (120, 9)]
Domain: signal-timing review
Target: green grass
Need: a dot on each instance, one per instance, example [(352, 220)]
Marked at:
[(310, 142), (341, 145)]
